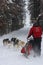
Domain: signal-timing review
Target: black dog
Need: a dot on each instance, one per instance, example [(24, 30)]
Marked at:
[(15, 40)]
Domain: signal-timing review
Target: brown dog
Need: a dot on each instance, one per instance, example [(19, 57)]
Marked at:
[(21, 43)]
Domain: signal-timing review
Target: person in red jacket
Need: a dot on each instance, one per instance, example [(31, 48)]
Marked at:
[(36, 32)]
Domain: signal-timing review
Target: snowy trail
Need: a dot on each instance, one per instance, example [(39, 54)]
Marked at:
[(19, 34), (11, 56)]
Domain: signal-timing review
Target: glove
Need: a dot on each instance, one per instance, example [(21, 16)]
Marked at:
[(28, 36)]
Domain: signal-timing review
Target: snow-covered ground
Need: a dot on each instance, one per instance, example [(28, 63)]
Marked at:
[(11, 56)]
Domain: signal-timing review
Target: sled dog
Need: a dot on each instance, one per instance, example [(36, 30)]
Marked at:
[(7, 42), (18, 42)]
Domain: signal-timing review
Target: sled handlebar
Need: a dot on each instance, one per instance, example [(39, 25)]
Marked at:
[(28, 39)]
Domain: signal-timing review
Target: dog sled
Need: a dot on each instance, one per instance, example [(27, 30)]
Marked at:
[(27, 48), (30, 49)]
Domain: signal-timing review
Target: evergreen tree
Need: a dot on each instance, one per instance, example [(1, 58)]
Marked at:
[(12, 13), (34, 8)]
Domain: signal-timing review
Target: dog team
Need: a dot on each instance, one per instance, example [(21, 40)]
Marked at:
[(13, 42)]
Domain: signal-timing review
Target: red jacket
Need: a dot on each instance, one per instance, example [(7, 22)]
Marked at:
[(36, 31)]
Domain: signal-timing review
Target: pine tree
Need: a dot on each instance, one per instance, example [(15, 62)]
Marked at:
[(12, 14), (34, 8)]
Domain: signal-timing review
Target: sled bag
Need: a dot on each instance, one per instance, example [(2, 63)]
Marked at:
[(23, 50)]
